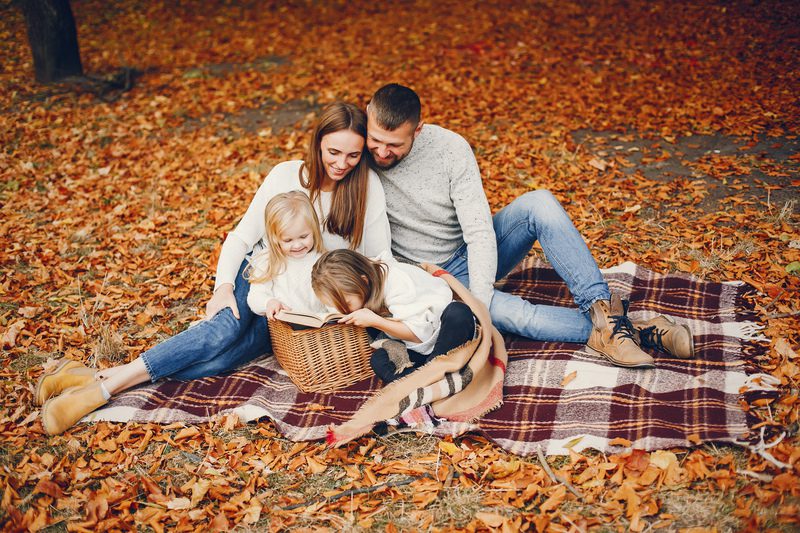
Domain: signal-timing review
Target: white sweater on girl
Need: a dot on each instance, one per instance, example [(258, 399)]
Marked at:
[(417, 299), (292, 287), (284, 177)]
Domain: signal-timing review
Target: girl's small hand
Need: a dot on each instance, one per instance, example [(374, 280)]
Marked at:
[(429, 268), (273, 306), (363, 318)]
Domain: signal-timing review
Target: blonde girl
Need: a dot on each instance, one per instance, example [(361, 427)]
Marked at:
[(280, 275), (401, 300)]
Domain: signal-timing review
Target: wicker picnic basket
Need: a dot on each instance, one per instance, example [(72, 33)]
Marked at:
[(322, 359)]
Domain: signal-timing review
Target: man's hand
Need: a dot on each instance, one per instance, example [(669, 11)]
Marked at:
[(363, 318), (274, 306), (223, 297)]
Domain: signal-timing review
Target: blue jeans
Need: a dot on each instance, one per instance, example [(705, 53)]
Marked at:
[(537, 215), (212, 346)]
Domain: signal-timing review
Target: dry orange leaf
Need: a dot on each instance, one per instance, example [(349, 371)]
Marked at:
[(569, 377), (187, 433), (491, 520), (619, 441), (314, 466), (10, 335), (554, 500)]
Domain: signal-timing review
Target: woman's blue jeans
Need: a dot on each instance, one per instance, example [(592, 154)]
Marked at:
[(212, 346), (537, 215)]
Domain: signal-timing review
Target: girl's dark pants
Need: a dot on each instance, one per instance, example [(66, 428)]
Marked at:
[(458, 327)]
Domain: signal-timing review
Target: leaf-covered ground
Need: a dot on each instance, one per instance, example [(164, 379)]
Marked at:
[(667, 129)]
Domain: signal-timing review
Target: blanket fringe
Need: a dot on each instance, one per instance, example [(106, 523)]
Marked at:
[(748, 331), (761, 447), (761, 382)]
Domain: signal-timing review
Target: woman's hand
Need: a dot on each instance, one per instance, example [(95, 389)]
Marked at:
[(223, 297), (363, 318), (274, 306)]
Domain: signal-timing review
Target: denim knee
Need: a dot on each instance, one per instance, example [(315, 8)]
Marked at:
[(541, 205), (220, 331)]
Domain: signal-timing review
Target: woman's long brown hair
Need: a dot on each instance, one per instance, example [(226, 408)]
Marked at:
[(349, 201)]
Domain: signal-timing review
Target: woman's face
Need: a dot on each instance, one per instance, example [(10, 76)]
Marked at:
[(341, 151)]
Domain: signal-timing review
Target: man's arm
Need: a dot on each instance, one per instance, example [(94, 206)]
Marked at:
[(475, 217)]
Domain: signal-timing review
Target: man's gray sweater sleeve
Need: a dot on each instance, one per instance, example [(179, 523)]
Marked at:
[(475, 217)]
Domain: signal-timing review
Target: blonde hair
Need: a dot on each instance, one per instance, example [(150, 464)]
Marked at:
[(281, 211), (349, 199), (344, 272)]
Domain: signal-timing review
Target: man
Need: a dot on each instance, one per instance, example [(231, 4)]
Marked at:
[(439, 214)]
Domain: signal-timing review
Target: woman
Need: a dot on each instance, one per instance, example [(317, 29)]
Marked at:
[(349, 200)]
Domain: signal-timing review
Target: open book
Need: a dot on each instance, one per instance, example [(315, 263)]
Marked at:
[(308, 318)]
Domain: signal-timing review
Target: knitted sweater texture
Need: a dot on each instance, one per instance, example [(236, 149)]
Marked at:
[(435, 203)]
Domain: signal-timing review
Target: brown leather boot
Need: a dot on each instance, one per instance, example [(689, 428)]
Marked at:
[(613, 334), (62, 412), (66, 374), (664, 334)]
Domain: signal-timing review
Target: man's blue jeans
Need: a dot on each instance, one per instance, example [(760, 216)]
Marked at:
[(214, 346), (537, 215)]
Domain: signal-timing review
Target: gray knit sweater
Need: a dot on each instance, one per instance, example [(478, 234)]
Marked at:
[(435, 203)]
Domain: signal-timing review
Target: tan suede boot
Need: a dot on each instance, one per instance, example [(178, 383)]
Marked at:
[(664, 334), (62, 412), (612, 335), (66, 374)]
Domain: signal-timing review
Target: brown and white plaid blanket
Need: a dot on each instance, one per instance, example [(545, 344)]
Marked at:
[(555, 396)]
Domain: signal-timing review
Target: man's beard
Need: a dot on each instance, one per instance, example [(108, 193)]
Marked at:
[(386, 166), (394, 162)]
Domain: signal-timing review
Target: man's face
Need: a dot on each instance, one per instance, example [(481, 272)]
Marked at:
[(390, 147)]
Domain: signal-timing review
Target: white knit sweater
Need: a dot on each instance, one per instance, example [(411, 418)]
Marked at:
[(249, 233), (436, 203), (417, 299), (292, 287)]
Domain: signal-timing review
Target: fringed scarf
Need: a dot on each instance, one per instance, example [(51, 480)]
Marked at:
[(461, 385)]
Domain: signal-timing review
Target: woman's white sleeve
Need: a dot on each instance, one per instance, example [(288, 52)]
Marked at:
[(376, 237), (247, 233)]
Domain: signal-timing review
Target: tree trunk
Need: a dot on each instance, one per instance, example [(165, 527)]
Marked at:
[(53, 39)]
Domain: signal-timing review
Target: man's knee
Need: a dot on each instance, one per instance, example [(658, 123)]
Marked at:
[(541, 206), (540, 198)]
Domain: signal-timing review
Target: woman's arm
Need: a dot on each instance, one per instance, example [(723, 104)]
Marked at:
[(377, 236), (247, 233), (241, 240)]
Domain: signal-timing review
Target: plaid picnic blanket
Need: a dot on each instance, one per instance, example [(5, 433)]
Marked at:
[(556, 395)]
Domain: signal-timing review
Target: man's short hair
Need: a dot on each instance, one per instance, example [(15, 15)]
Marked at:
[(394, 105)]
